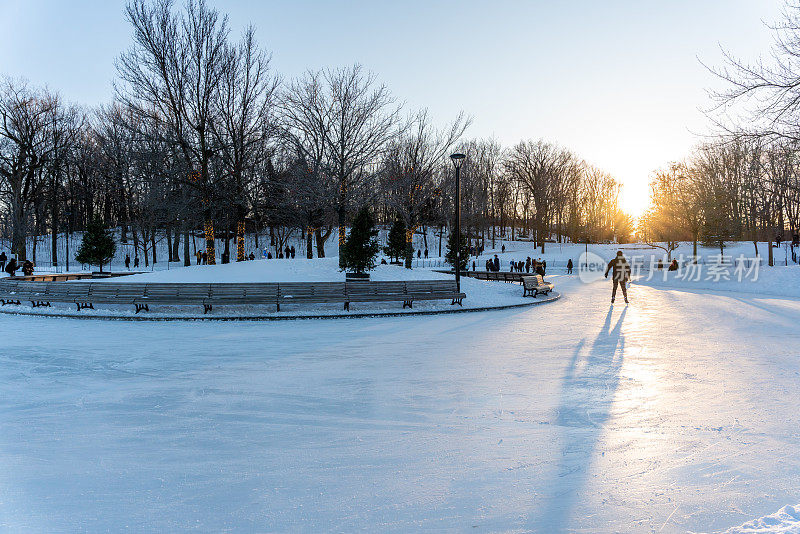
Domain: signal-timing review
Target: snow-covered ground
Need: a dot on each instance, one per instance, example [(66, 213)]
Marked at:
[(677, 413)]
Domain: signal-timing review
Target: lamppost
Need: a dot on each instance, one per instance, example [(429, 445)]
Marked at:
[(458, 159)]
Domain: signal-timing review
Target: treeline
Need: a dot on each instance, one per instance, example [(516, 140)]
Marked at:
[(205, 139), (727, 191), (745, 184)]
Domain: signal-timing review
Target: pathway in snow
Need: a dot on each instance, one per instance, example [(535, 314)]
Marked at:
[(676, 413)]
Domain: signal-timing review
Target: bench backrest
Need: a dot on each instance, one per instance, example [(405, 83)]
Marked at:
[(533, 280), (249, 292)]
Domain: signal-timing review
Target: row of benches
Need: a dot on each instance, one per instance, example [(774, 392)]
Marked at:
[(141, 295), (503, 276)]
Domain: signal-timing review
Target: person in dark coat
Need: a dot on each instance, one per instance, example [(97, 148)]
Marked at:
[(569, 266), (673, 266), (419, 254), (660, 265), (528, 264), (12, 267), (426, 253), (293, 251), (496, 264), (27, 267), (128, 261), (3, 260), (503, 249), (621, 273), (544, 267), (199, 256), (136, 262)]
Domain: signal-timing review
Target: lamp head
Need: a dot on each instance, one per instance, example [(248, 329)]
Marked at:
[(458, 159)]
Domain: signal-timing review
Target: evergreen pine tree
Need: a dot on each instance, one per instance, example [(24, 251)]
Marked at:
[(396, 243), (361, 246), (98, 245), (450, 256)]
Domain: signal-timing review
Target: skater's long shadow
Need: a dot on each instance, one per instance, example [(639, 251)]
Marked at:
[(585, 405)]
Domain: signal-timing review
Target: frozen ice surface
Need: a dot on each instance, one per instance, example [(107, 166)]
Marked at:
[(677, 413)]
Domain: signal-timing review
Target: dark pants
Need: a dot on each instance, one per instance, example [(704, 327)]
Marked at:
[(614, 289)]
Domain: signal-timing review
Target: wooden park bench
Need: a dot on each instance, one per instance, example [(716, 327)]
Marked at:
[(533, 285), (142, 295)]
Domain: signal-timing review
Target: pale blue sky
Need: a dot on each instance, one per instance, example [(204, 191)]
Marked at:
[(618, 82)]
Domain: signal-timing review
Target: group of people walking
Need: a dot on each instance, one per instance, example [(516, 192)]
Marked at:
[(537, 266)]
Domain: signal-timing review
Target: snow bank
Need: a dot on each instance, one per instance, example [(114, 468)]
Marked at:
[(768, 281), (296, 270), (784, 521)]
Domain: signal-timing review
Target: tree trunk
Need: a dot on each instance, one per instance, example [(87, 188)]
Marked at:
[(341, 219), (240, 255), (210, 248), (310, 243), (176, 244), (54, 226), (226, 254), (18, 231), (320, 242), (186, 261), (409, 247), (168, 231)]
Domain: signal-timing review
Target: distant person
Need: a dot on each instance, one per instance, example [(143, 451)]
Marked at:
[(128, 261), (778, 240), (293, 251), (473, 265), (266, 255), (12, 267), (540, 269), (544, 267), (204, 256), (569, 266), (528, 264), (419, 254), (383, 261), (426, 253), (503, 248), (3, 260), (27, 267), (660, 265), (621, 273), (136, 262), (673, 266), (199, 256), (496, 266), (252, 256), (269, 255)]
